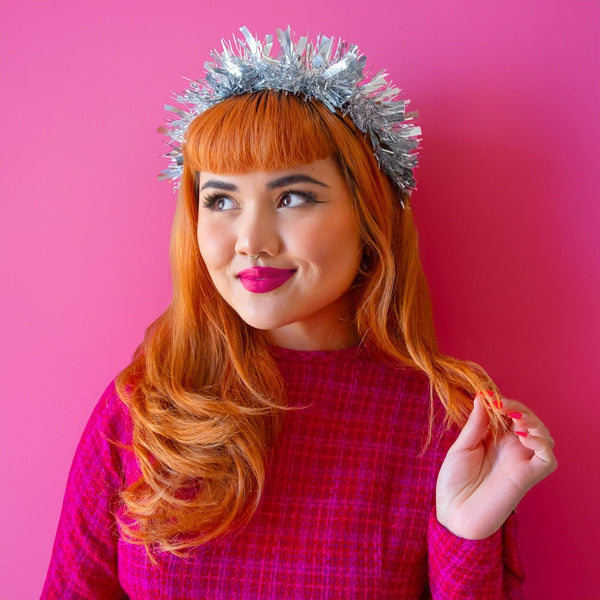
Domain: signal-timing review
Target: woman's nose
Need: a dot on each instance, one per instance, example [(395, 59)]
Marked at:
[(257, 233)]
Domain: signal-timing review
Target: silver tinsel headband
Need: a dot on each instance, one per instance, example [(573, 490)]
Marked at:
[(328, 72)]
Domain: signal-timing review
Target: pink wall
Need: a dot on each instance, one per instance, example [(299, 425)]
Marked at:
[(507, 207)]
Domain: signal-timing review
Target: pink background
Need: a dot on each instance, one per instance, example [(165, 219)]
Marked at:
[(507, 207)]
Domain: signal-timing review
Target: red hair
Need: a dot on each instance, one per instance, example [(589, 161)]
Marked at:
[(204, 393)]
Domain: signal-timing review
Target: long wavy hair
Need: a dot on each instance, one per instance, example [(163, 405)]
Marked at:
[(204, 393)]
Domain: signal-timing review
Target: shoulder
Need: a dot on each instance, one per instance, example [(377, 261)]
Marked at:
[(110, 417), (105, 448)]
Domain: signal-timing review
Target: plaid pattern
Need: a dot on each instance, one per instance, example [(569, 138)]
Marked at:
[(348, 509)]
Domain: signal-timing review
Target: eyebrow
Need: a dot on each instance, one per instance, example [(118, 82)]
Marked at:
[(219, 185), (272, 185), (290, 179)]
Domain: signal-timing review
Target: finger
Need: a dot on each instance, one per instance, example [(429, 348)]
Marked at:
[(508, 405), (541, 448), (475, 428), (528, 427), (512, 406), (491, 399), (527, 422)]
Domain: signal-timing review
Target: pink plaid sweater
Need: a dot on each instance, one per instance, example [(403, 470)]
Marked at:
[(348, 509)]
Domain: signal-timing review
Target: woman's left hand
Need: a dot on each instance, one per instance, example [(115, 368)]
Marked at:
[(481, 480)]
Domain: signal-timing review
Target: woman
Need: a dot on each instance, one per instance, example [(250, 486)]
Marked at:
[(288, 427)]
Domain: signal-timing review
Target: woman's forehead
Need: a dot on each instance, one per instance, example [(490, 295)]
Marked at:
[(317, 172), (242, 135)]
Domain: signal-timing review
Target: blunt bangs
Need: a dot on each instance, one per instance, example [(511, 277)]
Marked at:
[(262, 131)]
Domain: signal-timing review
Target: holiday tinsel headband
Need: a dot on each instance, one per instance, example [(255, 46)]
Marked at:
[(326, 71)]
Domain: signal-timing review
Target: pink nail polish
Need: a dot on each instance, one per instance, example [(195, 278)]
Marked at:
[(497, 404), (521, 433), (489, 392), (515, 415)]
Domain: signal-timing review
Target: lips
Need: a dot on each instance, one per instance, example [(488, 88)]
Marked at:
[(260, 280)]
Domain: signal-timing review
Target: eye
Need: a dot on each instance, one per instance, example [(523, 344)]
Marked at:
[(294, 199), (219, 202)]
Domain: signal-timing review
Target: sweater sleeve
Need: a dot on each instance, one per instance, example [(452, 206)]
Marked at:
[(461, 569), (84, 557)]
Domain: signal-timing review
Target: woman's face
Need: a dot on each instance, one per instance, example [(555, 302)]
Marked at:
[(283, 249)]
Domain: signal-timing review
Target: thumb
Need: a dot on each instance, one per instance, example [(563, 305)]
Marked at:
[(475, 428)]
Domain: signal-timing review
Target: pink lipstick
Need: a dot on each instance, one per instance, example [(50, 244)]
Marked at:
[(264, 279)]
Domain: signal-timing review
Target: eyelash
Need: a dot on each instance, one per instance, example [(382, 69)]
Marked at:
[(310, 197), (211, 200)]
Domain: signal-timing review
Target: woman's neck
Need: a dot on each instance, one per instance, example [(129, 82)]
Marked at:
[(331, 329)]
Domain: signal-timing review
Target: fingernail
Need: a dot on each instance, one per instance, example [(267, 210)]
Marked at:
[(497, 404), (521, 433), (515, 415), (489, 392)]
